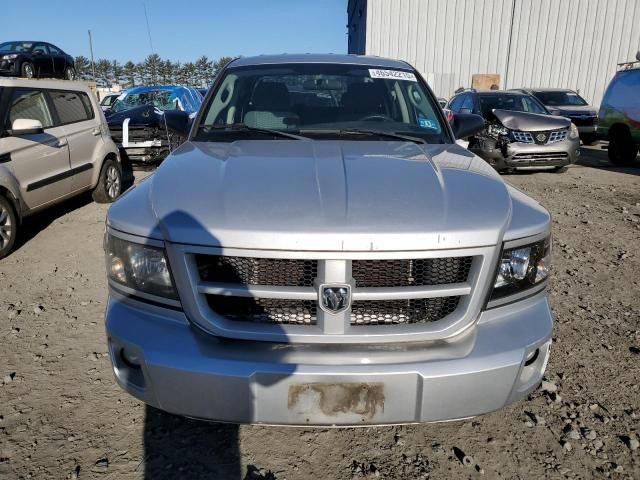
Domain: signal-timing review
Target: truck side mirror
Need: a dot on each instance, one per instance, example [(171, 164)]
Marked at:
[(467, 124)]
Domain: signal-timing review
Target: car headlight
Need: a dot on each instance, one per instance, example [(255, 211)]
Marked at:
[(139, 267), (521, 268), (573, 132), (497, 130), (10, 56)]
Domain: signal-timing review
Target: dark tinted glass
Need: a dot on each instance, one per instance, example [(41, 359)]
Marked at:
[(71, 107), (560, 98), (509, 101)]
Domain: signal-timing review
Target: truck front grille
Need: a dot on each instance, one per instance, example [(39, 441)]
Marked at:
[(388, 312), (411, 272), (331, 298), (264, 310), (278, 272)]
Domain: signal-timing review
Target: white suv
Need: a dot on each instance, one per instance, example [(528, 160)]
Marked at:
[(54, 143)]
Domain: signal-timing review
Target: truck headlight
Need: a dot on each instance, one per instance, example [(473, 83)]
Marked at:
[(139, 267), (11, 56), (521, 268), (573, 132)]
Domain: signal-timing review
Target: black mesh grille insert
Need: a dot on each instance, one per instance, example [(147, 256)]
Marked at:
[(264, 310), (257, 271), (422, 310), (412, 272)]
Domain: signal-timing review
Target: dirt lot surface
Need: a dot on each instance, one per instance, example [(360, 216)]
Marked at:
[(62, 416)]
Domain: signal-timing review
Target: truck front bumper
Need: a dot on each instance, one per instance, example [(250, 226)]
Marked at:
[(161, 359)]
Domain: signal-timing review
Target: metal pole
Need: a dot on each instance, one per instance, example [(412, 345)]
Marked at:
[(93, 66), (506, 73), (155, 73)]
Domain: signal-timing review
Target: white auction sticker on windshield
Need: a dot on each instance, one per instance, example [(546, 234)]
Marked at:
[(392, 74)]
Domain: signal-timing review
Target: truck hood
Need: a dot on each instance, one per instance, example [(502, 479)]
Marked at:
[(530, 122), (320, 196)]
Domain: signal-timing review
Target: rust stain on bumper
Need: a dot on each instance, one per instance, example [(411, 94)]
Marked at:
[(332, 399)]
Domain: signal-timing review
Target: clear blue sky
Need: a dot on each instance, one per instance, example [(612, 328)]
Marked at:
[(181, 30)]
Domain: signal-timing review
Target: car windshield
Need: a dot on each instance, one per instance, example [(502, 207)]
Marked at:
[(161, 99), (561, 99), (321, 101), (16, 47), (510, 101)]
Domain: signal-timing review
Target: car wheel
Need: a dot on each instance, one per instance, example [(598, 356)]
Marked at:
[(70, 73), (622, 149), (109, 185), (27, 70), (8, 227)]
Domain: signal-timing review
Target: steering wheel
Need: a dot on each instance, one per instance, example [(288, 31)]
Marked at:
[(376, 117)]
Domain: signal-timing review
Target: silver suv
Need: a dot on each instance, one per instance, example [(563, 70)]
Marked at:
[(54, 143), (321, 252)]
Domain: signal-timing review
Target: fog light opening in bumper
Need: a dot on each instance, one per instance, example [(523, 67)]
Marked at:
[(534, 365), (532, 357), (129, 358)]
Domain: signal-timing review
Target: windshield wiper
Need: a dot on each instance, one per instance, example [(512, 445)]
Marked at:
[(243, 127), (377, 133)]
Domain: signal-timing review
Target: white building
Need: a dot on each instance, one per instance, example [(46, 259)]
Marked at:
[(530, 43)]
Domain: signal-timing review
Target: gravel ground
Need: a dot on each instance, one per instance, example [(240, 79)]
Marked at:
[(62, 416)]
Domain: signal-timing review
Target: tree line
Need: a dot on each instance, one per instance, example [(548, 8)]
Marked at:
[(153, 70)]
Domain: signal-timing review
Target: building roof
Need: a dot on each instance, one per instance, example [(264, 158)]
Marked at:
[(322, 58)]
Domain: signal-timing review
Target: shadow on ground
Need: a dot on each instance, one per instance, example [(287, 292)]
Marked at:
[(178, 447), (597, 157)]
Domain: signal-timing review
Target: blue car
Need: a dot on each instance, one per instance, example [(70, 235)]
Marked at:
[(146, 122)]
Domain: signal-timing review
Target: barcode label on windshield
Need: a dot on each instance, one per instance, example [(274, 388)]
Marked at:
[(392, 74)]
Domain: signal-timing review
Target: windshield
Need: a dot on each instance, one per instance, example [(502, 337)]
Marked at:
[(321, 100), (510, 101), (161, 99), (16, 47), (560, 99)]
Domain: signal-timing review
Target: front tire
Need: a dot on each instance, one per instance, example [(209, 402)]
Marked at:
[(70, 73), (27, 70), (622, 149), (8, 227), (109, 185)]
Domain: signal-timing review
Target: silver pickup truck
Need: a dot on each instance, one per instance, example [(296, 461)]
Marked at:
[(321, 252)]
